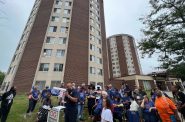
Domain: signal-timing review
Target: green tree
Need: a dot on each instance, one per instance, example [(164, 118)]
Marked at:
[(179, 71), (2, 75), (164, 30)]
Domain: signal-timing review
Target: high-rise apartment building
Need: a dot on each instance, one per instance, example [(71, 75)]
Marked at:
[(63, 41), (123, 56)]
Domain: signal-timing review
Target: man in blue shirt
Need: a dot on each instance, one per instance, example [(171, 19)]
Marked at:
[(71, 98), (44, 93)]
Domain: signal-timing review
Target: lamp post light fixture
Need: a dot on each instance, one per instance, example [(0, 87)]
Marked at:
[(154, 74)]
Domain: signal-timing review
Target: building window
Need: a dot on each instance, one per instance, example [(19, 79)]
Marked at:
[(92, 38), (92, 21), (55, 19), (57, 10), (99, 50), (64, 29), (40, 84), (67, 11), (52, 28), (18, 47), (60, 53), (99, 60), (55, 83), (65, 20), (22, 45), (58, 2), (13, 69), (92, 29), (14, 57), (62, 40), (44, 67), (98, 25), (67, 3), (18, 55), (92, 47), (92, 70), (47, 52), (99, 72), (92, 58), (10, 68), (58, 67), (50, 40)]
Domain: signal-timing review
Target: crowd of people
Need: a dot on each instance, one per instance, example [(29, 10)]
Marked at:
[(108, 104)]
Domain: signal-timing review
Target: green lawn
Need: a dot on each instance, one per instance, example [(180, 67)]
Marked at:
[(19, 108)]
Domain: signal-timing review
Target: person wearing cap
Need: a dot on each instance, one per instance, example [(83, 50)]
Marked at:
[(7, 101)]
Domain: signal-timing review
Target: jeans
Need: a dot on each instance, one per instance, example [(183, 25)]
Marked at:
[(133, 116), (150, 117), (80, 111), (117, 115), (91, 109), (172, 117), (32, 104)]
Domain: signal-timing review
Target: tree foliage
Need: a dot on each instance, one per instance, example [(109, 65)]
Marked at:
[(164, 32), (2, 75), (179, 71)]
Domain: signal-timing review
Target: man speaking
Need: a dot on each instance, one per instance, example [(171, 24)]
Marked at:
[(71, 98)]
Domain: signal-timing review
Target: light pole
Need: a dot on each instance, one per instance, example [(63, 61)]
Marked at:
[(154, 76)]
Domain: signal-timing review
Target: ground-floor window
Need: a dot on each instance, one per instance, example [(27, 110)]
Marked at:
[(40, 84)]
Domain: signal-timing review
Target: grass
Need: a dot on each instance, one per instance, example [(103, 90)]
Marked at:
[(20, 106)]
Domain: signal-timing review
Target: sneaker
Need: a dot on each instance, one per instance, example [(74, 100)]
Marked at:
[(29, 114), (24, 116)]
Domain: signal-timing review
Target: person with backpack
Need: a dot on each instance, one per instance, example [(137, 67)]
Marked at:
[(6, 103)]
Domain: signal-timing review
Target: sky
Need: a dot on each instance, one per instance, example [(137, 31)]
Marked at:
[(121, 16)]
